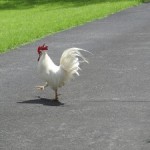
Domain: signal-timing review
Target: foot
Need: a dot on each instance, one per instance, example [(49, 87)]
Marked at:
[(40, 88), (56, 98)]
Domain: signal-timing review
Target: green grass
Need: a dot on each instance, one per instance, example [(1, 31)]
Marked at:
[(23, 21)]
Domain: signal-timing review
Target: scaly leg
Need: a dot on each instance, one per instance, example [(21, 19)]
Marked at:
[(42, 87), (56, 95)]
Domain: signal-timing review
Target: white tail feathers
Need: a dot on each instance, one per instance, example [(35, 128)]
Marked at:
[(71, 59)]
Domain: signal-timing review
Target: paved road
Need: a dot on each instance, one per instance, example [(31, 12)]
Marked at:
[(106, 108)]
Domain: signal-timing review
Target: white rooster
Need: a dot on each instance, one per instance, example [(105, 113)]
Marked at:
[(56, 76)]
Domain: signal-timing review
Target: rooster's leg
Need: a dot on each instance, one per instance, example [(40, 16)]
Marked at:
[(56, 95), (42, 87)]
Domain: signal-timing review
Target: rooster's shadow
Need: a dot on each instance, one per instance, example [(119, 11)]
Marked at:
[(43, 101)]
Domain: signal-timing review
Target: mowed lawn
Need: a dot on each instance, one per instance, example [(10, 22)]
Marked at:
[(23, 21)]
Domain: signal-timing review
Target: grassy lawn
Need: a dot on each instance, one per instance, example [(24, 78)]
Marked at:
[(23, 21)]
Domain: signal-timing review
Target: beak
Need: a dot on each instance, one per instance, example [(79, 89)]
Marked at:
[(39, 56)]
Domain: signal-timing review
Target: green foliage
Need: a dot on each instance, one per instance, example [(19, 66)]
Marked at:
[(23, 21)]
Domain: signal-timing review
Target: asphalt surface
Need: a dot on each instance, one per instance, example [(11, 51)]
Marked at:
[(106, 108)]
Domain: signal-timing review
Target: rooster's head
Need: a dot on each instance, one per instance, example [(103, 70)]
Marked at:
[(40, 49)]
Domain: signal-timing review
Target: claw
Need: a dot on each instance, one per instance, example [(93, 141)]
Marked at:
[(39, 87)]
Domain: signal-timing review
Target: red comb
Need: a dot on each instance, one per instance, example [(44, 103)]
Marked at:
[(41, 48)]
